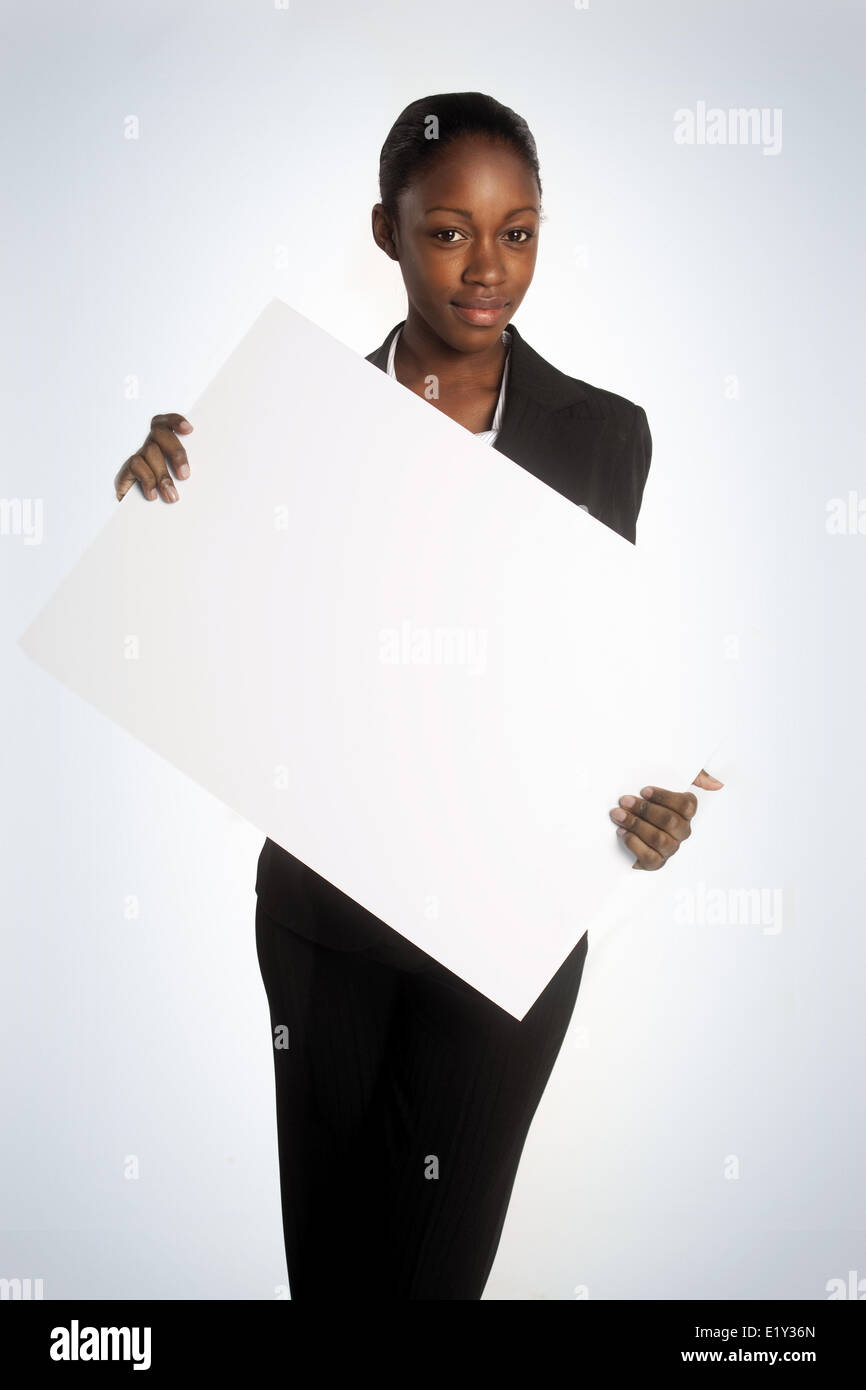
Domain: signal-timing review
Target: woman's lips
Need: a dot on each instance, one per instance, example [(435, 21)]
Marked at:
[(483, 316)]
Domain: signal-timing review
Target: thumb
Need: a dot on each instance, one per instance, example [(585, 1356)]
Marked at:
[(707, 781)]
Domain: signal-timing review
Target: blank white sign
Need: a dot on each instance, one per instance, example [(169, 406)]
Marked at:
[(393, 650)]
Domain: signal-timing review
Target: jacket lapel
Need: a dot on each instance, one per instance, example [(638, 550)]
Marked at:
[(538, 424)]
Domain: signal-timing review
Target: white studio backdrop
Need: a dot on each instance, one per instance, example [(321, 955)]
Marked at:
[(175, 167)]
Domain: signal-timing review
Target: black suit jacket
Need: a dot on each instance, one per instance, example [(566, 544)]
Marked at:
[(592, 446)]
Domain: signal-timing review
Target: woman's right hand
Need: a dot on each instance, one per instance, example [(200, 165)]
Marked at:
[(149, 466)]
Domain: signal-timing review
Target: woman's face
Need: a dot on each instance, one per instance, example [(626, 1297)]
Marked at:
[(467, 231)]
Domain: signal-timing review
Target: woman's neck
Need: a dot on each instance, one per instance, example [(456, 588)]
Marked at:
[(421, 353)]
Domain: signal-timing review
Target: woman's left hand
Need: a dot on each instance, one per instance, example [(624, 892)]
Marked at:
[(654, 825)]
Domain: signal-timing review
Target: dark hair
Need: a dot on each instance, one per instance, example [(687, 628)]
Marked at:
[(411, 146)]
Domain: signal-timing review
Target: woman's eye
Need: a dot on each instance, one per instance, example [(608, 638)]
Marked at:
[(513, 232)]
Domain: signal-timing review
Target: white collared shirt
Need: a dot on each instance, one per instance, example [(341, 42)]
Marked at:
[(486, 436)]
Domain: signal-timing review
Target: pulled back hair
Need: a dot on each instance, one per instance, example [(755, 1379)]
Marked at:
[(415, 140)]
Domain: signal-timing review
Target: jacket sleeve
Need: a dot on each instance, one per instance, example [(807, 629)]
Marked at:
[(630, 478)]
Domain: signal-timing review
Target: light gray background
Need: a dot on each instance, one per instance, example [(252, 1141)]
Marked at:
[(702, 1134)]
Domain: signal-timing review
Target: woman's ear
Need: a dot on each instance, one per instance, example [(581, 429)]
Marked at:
[(384, 232)]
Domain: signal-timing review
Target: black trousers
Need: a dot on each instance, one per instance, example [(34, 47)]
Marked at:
[(404, 1098)]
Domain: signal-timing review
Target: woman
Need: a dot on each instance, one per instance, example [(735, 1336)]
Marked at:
[(404, 1097)]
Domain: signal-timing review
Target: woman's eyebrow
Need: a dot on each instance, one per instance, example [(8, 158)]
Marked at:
[(464, 212)]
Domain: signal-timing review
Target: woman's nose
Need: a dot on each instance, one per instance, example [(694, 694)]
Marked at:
[(485, 264)]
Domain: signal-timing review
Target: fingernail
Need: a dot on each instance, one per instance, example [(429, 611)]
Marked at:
[(621, 832), (183, 470), (171, 491), (646, 791), (619, 815), (627, 801)]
